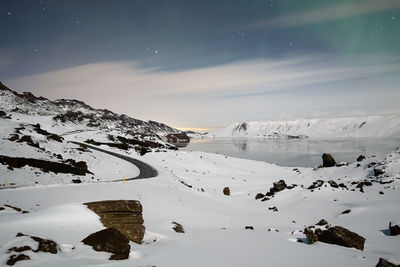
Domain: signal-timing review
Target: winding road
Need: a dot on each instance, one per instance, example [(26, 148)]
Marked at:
[(146, 171)]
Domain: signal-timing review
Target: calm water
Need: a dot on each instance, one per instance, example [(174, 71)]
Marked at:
[(301, 153)]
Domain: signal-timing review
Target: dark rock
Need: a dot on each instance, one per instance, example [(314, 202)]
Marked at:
[(44, 165), (273, 208), (333, 184), (76, 181), (28, 139), (249, 227), (19, 249), (45, 245), (14, 258), (13, 137), (279, 186), (110, 240), (336, 235), (360, 158), (227, 191), (327, 160), (378, 171), (384, 263), (394, 229), (259, 195), (178, 227), (346, 212), (322, 222), (316, 184), (124, 215), (381, 193)]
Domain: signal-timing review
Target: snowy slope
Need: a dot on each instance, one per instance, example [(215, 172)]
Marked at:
[(214, 224), (67, 110), (369, 126)]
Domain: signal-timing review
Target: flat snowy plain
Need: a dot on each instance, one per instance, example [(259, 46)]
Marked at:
[(214, 223)]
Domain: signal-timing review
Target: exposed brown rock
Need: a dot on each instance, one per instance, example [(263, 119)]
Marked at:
[(227, 191), (124, 215), (110, 240), (336, 235), (360, 158), (14, 258), (178, 227), (328, 160)]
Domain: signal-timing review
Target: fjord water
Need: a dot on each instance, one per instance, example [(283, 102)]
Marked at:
[(295, 152)]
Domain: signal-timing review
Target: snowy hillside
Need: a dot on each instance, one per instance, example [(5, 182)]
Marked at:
[(369, 126), (66, 110)]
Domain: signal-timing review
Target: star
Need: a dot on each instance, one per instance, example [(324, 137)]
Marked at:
[(9, 13), (156, 52)]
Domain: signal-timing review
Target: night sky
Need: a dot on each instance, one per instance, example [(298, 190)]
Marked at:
[(207, 63)]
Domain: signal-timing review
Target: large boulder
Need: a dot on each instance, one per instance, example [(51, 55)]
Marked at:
[(336, 235), (110, 240), (124, 215), (328, 160)]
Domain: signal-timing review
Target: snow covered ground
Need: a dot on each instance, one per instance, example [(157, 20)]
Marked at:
[(367, 126), (189, 190)]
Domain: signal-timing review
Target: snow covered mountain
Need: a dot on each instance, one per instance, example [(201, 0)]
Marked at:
[(368, 126), (67, 110)]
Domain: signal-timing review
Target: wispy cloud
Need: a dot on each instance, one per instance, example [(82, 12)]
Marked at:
[(214, 95), (328, 13)]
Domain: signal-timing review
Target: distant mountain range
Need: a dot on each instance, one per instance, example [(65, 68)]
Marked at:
[(75, 111), (367, 126)]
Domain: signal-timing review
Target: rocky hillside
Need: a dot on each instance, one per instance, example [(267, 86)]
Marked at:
[(367, 126), (75, 111)]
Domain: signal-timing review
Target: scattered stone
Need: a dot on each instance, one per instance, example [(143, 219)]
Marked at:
[(346, 212), (381, 193), (328, 160), (227, 191), (333, 184), (14, 258), (259, 195), (378, 171), (316, 184), (45, 245), (360, 158), (273, 208), (124, 215), (76, 181), (178, 227), (384, 263), (249, 227), (19, 249), (341, 164), (322, 222), (110, 240), (28, 139), (13, 137), (394, 228)]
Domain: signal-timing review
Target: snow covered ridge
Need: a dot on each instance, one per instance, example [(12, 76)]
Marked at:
[(67, 110), (367, 126)]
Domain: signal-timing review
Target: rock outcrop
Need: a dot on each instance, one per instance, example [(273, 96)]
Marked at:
[(328, 160), (124, 215), (336, 235)]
